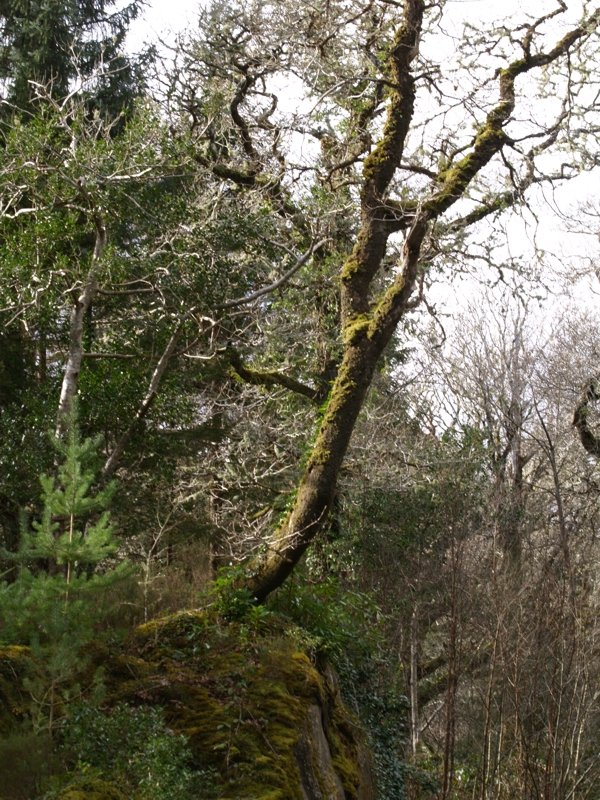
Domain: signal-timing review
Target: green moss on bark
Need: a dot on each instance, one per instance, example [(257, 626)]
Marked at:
[(350, 268), (355, 328)]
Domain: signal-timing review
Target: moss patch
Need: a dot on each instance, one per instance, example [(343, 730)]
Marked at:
[(355, 328), (93, 789), (244, 697), (256, 709)]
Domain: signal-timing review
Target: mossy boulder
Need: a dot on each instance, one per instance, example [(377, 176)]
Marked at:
[(256, 709), (259, 711)]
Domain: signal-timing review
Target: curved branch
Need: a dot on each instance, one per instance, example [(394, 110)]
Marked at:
[(491, 137), (258, 377), (380, 166), (238, 99), (300, 262)]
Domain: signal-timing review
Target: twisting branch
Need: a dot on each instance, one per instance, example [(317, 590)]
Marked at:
[(240, 96)]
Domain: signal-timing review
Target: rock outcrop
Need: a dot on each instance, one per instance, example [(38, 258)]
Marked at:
[(255, 708), (262, 718)]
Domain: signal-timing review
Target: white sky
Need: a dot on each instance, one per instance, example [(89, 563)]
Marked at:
[(162, 19)]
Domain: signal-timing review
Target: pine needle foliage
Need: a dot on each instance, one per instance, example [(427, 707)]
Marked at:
[(54, 603)]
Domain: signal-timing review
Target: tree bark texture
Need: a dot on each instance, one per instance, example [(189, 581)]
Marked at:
[(588, 438)]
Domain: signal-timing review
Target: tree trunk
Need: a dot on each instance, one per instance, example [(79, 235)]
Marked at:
[(370, 316), (316, 490), (70, 382)]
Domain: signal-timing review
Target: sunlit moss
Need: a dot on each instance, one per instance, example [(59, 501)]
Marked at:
[(242, 695)]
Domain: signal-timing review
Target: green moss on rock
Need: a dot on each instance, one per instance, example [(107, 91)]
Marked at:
[(253, 705), (257, 711)]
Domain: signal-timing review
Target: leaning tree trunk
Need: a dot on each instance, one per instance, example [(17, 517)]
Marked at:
[(317, 488), (370, 318)]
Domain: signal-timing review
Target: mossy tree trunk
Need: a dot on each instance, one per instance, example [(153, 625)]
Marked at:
[(369, 317)]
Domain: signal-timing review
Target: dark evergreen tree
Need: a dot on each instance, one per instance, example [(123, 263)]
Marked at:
[(52, 43)]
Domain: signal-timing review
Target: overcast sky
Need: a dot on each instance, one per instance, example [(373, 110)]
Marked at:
[(162, 19)]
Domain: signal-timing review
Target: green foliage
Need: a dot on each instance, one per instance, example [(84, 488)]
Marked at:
[(59, 553), (52, 604), (228, 599), (133, 748), (330, 615), (65, 535), (25, 453), (423, 778), (55, 42), (370, 687), (63, 169), (89, 787), (383, 713), (47, 251)]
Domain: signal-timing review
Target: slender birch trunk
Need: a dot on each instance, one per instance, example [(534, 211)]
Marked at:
[(70, 382)]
